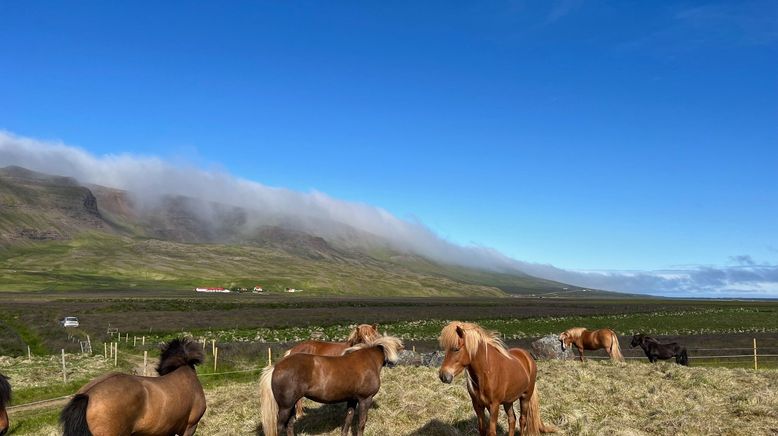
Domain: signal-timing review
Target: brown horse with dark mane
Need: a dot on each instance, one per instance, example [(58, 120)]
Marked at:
[(122, 404), (354, 377), (5, 400), (496, 376), (361, 334), (592, 340)]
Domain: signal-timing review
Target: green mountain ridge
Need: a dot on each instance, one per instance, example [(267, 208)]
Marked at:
[(58, 234)]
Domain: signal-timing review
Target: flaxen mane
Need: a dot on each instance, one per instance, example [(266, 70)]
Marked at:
[(179, 352), (575, 332), (474, 335), (5, 391), (390, 344), (362, 333)]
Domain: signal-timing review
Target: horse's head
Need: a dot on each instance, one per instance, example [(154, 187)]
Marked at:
[(362, 334), (565, 339), (452, 340), (637, 340), (5, 398)]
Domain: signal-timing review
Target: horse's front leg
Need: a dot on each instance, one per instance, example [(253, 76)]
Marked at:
[(580, 353), (494, 413), (350, 409), (190, 431), (511, 418), (364, 406), (479, 412)]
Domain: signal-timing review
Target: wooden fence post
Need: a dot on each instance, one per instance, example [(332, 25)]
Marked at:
[(64, 371), (116, 355), (105, 350), (269, 356), (215, 357), (213, 346), (756, 364), (134, 341), (143, 341), (145, 362), (29, 355)]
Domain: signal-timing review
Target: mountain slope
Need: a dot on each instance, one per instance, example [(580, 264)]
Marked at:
[(58, 234)]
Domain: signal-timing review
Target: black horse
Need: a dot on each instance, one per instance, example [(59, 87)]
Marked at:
[(655, 351), (5, 398)]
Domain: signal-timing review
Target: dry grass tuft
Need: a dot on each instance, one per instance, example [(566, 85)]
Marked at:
[(593, 398)]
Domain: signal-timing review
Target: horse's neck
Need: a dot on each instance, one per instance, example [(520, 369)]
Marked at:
[(376, 355), (479, 367)]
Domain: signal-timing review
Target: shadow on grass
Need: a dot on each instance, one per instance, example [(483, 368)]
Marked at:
[(324, 419), (461, 427)]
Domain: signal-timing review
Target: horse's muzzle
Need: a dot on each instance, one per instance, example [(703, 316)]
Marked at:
[(3, 431), (446, 377)]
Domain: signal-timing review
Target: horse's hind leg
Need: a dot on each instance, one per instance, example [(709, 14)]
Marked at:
[(511, 418), (285, 418), (298, 407), (364, 406), (350, 409)]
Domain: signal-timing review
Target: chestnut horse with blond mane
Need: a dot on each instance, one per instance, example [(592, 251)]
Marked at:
[(354, 377), (124, 405), (5, 399), (496, 376), (592, 340), (361, 334)]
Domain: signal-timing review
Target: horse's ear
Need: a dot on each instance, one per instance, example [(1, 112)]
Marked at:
[(460, 332), (375, 327)]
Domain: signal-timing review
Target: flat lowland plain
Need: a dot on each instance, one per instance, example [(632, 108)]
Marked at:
[(593, 398)]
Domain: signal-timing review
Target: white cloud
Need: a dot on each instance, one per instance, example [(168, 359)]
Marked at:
[(150, 177)]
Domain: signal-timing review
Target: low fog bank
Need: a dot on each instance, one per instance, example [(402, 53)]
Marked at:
[(150, 179)]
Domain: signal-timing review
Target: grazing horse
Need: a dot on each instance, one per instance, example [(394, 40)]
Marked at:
[(592, 340), (126, 405), (361, 334), (655, 350), (496, 376), (5, 400), (354, 377)]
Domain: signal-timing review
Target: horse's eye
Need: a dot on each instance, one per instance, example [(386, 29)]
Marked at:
[(456, 349)]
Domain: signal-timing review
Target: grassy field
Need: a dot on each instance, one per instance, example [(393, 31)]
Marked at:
[(580, 399)]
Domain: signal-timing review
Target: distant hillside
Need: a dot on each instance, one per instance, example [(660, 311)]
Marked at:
[(56, 233)]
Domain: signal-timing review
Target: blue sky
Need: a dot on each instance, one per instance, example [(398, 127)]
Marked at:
[(587, 135)]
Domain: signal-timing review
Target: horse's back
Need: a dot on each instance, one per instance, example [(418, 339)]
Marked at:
[(320, 348)]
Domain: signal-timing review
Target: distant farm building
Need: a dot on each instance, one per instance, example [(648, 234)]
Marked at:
[(212, 290), (258, 289), (293, 290)]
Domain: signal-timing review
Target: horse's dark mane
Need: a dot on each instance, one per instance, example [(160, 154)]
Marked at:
[(5, 391), (177, 353)]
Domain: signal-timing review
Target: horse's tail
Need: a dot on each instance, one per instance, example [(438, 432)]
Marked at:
[(535, 424), (683, 358), (615, 350), (73, 417), (268, 404)]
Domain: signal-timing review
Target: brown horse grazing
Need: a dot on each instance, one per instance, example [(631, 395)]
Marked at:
[(125, 405), (361, 334), (354, 377), (592, 340), (5, 400), (496, 376)]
